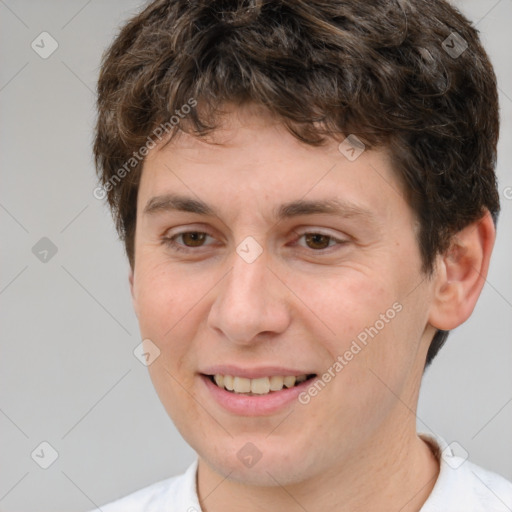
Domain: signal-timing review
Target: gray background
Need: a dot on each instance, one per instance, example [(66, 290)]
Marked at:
[(68, 374)]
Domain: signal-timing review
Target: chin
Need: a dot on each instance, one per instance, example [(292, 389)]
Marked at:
[(258, 461)]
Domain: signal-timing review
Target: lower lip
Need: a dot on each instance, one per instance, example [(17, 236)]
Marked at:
[(254, 405)]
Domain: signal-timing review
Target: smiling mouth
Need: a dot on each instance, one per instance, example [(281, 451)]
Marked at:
[(260, 386)]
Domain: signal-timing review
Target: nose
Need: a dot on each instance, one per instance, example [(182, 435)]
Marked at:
[(251, 303)]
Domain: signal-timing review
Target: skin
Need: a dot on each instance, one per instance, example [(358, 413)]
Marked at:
[(353, 446)]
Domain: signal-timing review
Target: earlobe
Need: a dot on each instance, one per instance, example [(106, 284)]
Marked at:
[(460, 274)]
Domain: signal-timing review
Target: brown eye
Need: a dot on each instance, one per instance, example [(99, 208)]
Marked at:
[(317, 240), (193, 238)]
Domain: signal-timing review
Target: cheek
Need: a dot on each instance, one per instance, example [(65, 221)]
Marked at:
[(347, 304), (367, 319), (162, 297), (167, 313)]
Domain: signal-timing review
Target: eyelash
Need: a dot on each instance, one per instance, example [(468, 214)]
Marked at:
[(170, 241)]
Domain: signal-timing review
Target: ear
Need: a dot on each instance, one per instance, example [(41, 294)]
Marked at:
[(461, 274), (134, 300)]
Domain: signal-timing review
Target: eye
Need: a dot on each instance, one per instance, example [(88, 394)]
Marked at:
[(189, 240), (193, 238), (319, 241)]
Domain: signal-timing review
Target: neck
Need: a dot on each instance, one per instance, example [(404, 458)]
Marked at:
[(395, 471)]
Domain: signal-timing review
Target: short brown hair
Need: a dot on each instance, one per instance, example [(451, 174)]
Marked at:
[(409, 75)]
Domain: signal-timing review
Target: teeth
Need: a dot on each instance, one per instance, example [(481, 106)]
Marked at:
[(289, 381), (261, 386), (228, 382), (241, 385), (276, 383)]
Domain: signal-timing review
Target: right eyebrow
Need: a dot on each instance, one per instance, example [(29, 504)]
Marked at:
[(175, 202)]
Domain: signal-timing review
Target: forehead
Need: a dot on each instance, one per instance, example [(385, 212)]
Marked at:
[(252, 162)]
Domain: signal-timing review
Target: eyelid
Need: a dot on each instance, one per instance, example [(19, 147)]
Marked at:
[(188, 228), (318, 231)]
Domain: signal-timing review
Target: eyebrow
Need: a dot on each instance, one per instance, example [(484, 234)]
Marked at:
[(332, 206)]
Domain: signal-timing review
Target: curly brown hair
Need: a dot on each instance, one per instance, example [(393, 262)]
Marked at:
[(408, 75)]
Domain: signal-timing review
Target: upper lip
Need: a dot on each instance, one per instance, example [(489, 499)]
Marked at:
[(253, 373)]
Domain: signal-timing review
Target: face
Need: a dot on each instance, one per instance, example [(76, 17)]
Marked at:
[(260, 260)]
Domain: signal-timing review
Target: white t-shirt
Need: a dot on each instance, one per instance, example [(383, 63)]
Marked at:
[(460, 487)]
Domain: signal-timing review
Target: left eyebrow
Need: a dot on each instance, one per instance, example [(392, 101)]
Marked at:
[(332, 206)]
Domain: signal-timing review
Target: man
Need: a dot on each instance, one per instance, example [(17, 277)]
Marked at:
[(307, 197)]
